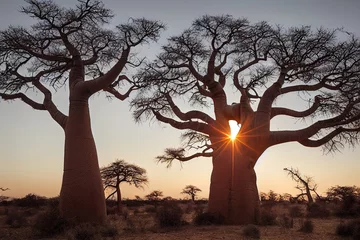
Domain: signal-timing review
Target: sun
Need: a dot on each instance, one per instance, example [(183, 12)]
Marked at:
[(234, 127)]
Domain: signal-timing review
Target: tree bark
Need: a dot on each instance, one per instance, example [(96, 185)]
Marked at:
[(233, 189), (82, 197), (119, 204)]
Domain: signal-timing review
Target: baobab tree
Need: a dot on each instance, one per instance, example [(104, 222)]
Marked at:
[(191, 190), (261, 63), (304, 183), (72, 47), (118, 172)]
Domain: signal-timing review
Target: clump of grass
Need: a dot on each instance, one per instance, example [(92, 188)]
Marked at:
[(206, 218), (351, 228), (251, 231), (307, 226), (150, 209), (317, 210), (169, 215), (267, 217), (84, 231), (50, 223), (15, 219), (109, 231), (295, 212), (286, 222)]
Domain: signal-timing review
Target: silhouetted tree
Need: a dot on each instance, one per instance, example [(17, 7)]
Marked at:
[(304, 183), (154, 195), (121, 171), (72, 47), (262, 63), (347, 195), (191, 190), (138, 198)]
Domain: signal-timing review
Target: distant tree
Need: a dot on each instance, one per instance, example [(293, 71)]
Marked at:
[(191, 190), (168, 198), (219, 56), (287, 197), (271, 196), (118, 172), (154, 195), (347, 195), (72, 47), (138, 198), (305, 184)]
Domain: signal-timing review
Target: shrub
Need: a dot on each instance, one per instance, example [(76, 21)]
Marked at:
[(31, 200), (109, 230), (296, 211), (169, 215), (251, 231), (50, 223), (307, 226), (15, 219), (111, 210), (351, 228), (317, 210), (206, 218), (84, 231), (286, 222), (267, 217), (150, 209)]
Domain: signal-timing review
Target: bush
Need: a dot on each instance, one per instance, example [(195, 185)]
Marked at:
[(251, 231), (267, 217), (307, 226), (50, 223), (15, 219), (296, 211), (286, 222), (109, 230), (169, 215), (317, 210), (84, 231), (31, 200), (351, 228), (206, 218), (150, 209)]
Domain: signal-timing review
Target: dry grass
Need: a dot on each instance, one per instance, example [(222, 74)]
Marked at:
[(140, 224)]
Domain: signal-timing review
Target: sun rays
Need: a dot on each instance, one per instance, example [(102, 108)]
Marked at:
[(234, 129)]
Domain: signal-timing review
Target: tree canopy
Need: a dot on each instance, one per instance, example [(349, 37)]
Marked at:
[(120, 171), (31, 58), (191, 190), (261, 63)]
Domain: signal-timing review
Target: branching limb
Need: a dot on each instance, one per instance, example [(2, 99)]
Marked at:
[(188, 116), (178, 154), (49, 105), (193, 125), (24, 98), (276, 111)]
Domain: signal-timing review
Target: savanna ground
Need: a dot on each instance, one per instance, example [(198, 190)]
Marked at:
[(145, 220)]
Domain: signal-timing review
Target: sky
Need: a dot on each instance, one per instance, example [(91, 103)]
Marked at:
[(32, 144)]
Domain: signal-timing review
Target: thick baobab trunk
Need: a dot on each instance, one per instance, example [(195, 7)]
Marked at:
[(82, 196), (119, 204), (233, 190)]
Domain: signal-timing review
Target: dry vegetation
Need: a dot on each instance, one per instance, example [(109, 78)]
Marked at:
[(37, 218)]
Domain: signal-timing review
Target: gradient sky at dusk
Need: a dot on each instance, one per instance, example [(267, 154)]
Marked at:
[(31, 143)]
